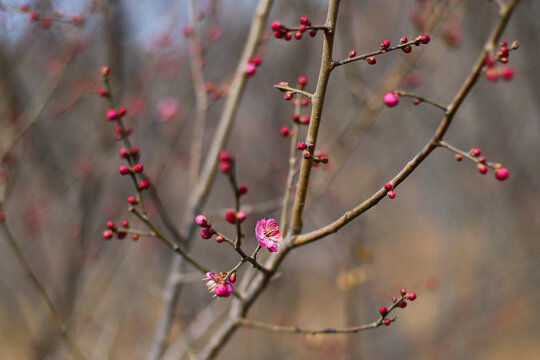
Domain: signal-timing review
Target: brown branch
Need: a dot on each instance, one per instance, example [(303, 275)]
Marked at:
[(284, 220), (201, 98), (316, 115), (297, 330), (428, 148)]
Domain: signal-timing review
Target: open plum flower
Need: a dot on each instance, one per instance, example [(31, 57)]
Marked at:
[(268, 235), (216, 284)]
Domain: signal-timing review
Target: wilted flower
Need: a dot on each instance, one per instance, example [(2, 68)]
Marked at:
[(268, 235)]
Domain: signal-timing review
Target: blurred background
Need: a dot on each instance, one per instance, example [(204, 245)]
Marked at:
[(467, 244)]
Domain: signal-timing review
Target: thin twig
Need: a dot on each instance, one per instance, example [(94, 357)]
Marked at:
[(45, 300), (177, 249), (422, 99), (196, 60), (294, 90), (337, 63)]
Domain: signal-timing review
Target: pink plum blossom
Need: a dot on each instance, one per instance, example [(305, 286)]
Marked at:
[(216, 284), (268, 235), (167, 109)]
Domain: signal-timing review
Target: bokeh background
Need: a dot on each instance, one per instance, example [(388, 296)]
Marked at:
[(467, 244)]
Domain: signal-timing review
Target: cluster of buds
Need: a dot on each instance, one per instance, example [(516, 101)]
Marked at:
[(46, 19), (251, 67), (219, 284), (302, 120), (400, 302), (501, 173), (113, 114), (282, 32), (390, 190), (206, 232), (225, 162), (493, 72), (320, 158), (120, 233), (133, 153), (232, 217), (216, 92)]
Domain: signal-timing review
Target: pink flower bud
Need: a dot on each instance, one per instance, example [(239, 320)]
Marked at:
[(301, 146), (412, 296), (391, 194), (371, 60), (388, 186), (385, 44), (285, 131), (302, 81), (230, 216), (122, 111), (312, 33), (110, 225), (507, 73), (390, 99), (352, 53), (242, 190), (105, 70), (202, 221), (275, 25), (125, 224), (144, 184), (402, 304), (134, 151), (475, 152), (223, 290), (387, 322), (123, 153), (241, 216), (124, 170), (111, 114), (107, 234), (250, 70), (132, 200), (402, 291), (501, 173), (491, 74), (482, 169), (207, 233), (424, 39), (137, 168), (383, 310)]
